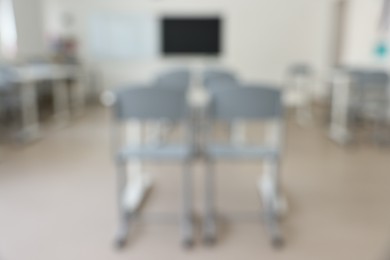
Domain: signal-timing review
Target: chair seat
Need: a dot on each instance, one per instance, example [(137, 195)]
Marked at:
[(156, 152), (240, 152)]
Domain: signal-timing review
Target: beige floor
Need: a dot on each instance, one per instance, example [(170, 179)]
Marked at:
[(57, 202)]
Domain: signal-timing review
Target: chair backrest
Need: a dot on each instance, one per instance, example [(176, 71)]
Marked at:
[(369, 78), (300, 69), (215, 78), (144, 103), (176, 79), (257, 102), (369, 86)]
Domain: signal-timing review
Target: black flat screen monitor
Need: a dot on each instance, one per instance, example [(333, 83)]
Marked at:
[(191, 36)]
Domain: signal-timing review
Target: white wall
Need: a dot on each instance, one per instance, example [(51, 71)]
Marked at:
[(263, 37), (362, 34), (29, 23)]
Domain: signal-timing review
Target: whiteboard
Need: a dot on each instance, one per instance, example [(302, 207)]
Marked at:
[(122, 37)]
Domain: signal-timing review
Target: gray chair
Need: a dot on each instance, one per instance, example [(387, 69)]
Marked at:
[(143, 104), (369, 88), (299, 81), (216, 78), (370, 94), (249, 103)]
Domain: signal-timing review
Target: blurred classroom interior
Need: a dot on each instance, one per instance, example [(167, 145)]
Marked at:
[(197, 129)]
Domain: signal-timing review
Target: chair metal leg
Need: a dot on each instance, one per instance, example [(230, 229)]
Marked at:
[(210, 228), (123, 230), (187, 218), (273, 227), (273, 203), (124, 214)]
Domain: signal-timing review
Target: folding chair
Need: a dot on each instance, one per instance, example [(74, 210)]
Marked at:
[(300, 80), (142, 104), (250, 103), (370, 94)]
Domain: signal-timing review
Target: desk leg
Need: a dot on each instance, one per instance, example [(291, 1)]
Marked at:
[(61, 103), (78, 95), (29, 113)]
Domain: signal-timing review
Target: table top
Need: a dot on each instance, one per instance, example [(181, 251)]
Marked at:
[(30, 73)]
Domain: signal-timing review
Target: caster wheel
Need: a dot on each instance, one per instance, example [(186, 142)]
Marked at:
[(209, 240), (120, 243), (188, 243), (278, 243)]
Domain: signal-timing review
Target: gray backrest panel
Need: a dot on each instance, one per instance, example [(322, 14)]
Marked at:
[(143, 103), (369, 85), (215, 77), (247, 103), (174, 79), (301, 69), (366, 78), (217, 85)]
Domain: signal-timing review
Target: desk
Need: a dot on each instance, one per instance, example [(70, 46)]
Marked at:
[(27, 78)]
